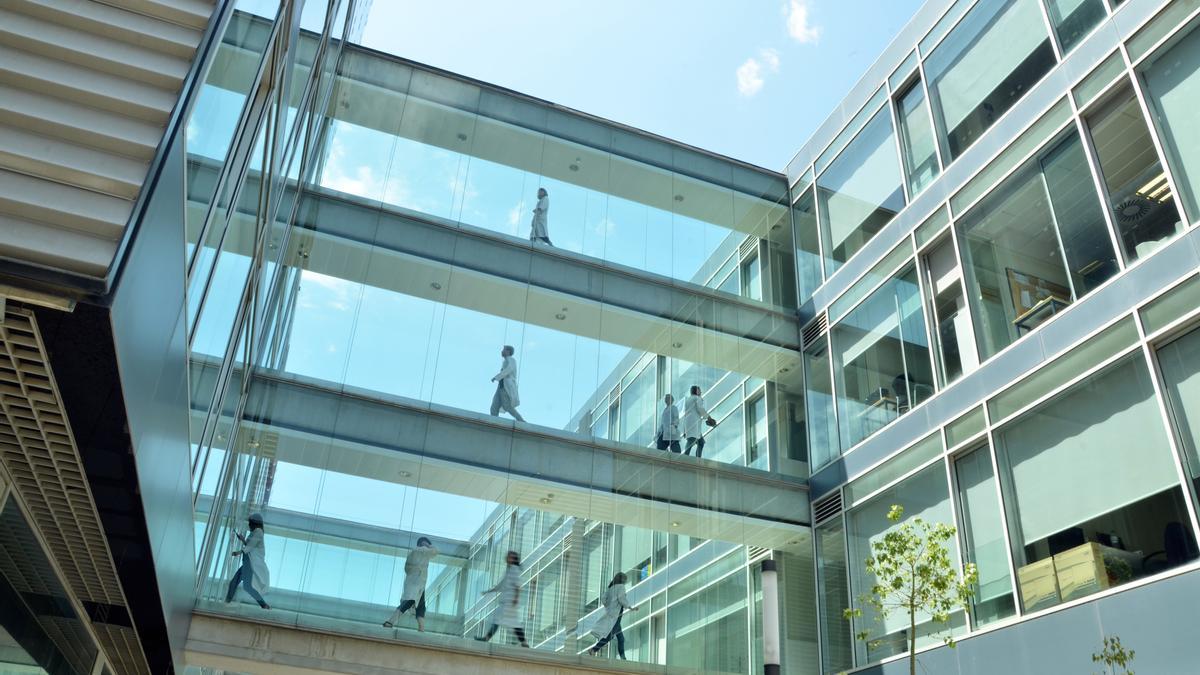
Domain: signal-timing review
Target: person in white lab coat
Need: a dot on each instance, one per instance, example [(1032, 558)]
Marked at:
[(539, 229), (252, 574), (695, 416), (416, 572), (508, 610), (506, 397), (668, 425), (608, 625)]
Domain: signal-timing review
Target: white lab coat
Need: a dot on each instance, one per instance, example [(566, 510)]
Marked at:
[(508, 378), (614, 603), (694, 414), (540, 227), (254, 551), (508, 590), (416, 572), (668, 423)]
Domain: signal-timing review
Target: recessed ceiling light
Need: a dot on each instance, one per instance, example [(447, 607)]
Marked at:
[(573, 167), (784, 369), (545, 500), (462, 136), (435, 286), (678, 198), (674, 523), (405, 474), (676, 345), (560, 316)]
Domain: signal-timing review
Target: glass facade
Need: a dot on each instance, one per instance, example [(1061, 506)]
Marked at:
[(422, 307)]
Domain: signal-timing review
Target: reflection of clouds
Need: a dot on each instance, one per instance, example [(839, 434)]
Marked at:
[(330, 292), (604, 227), (514, 214)]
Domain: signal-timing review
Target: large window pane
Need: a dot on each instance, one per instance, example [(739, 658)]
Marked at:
[(983, 536), (1173, 83), (822, 422), (951, 318), (808, 251), (984, 66), (881, 359), (925, 495), (1143, 206), (916, 139), (1180, 363), (861, 190), (1034, 246), (833, 597), (1074, 19), (1092, 493)]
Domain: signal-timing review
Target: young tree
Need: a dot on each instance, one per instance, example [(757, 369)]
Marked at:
[(1114, 654), (914, 574)]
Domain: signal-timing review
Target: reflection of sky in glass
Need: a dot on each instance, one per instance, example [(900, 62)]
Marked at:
[(438, 182)]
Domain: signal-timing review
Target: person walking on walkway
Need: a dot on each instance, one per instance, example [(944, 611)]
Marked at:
[(508, 611), (416, 572), (608, 625), (539, 229), (668, 425), (252, 574), (506, 397), (695, 416)]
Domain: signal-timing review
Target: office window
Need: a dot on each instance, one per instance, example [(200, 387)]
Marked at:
[(639, 407), (833, 597), (1180, 365), (1143, 206), (818, 399), (982, 534), (1173, 89), (808, 248), (1034, 245), (861, 191), (881, 358), (1092, 494), (756, 433), (923, 495), (752, 278), (953, 337), (1074, 19), (916, 139), (983, 67)]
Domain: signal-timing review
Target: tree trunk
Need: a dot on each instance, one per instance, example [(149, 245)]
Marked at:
[(912, 628)]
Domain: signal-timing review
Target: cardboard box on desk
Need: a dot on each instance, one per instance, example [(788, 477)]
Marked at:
[(1039, 585), (1081, 571)]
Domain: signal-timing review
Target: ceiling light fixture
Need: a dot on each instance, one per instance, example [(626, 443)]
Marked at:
[(676, 345), (405, 474), (462, 136), (679, 198), (560, 316), (435, 285), (674, 523)]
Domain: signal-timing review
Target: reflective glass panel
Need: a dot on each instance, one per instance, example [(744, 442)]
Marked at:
[(1173, 90), (1143, 207), (833, 597), (1120, 516), (861, 191), (808, 247), (1180, 363), (881, 359), (916, 139), (983, 536), (1074, 19), (1034, 245), (822, 420), (924, 495), (984, 66)]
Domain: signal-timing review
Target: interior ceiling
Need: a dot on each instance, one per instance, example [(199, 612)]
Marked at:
[(430, 280), (507, 144), (406, 468)]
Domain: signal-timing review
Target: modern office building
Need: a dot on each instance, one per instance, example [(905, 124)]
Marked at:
[(249, 266)]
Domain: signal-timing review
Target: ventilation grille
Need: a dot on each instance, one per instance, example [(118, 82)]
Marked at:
[(814, 330), (38, 449), (827, 508), (749, 245), (755, 552)]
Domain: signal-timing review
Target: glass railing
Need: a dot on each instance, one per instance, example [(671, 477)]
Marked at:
[(339, 552), (418, 142)]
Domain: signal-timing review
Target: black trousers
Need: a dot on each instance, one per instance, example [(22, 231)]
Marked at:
[(407, 605), (664, 445), (698, 442), (518, 632)]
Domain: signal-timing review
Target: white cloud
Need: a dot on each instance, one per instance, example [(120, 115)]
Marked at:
[(751, 75), (797, 22)]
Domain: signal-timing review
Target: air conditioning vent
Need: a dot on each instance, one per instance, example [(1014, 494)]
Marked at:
[(814, 330), (755, 552), (826, 508), (749, 245)]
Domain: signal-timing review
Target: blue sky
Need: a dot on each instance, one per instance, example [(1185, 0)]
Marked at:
[(750, 79)]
